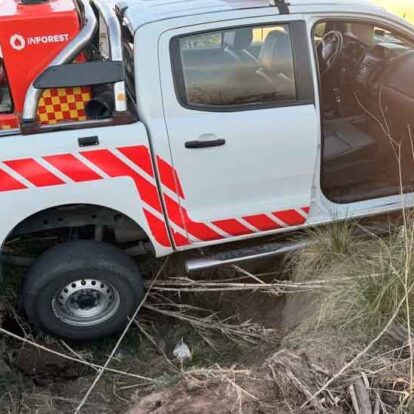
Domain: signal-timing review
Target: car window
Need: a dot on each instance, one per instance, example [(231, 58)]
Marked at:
[(6, 104), (382, 35), (202, 41), (236, 67)]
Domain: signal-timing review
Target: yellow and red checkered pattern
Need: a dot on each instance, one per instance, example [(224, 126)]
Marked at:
[(8, 121), (63, 104)]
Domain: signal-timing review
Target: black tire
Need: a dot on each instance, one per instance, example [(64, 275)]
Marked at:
[(61, 266)]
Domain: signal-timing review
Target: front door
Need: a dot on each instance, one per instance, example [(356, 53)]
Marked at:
[(243, 128)]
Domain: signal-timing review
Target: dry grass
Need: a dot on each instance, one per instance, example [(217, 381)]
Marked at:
[(376, 301), (402, 8)]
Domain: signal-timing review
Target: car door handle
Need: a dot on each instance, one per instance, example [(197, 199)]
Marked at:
[(205, 143), (88, 141)]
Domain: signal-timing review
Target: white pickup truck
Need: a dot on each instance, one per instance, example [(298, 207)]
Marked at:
[(159, 127)]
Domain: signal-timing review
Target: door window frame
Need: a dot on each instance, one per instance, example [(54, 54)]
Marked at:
[(383, 23), (302, 63)]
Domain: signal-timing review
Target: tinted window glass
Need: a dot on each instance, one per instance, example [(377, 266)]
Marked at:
[(6, 104), (243, 66)]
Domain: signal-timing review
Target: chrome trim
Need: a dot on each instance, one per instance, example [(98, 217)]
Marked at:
[(193, 265), (66, 55), (9, 132), (69, 124), (115, 45)]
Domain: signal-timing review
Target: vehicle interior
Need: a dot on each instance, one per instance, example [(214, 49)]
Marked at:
[(239, 66), (6, 105), (367, 89)]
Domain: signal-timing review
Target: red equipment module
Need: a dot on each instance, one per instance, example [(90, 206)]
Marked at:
[(32, 33)]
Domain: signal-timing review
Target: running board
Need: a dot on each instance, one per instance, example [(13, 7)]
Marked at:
[(242, 255)]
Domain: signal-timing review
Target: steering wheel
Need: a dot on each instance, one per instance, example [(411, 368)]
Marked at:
[(329, 50)]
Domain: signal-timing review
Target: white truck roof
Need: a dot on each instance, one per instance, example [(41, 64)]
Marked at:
[(140, 12)]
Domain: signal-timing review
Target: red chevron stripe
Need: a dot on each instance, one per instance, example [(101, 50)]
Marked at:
[(72, 168), (8, 183), (114, 167), (262, 222), (32, 171), (232, 227), (174, 211), (169, 177), (158, 229), (290, 217), (179, 239), (140, 156), (200, 230), (179, 216)]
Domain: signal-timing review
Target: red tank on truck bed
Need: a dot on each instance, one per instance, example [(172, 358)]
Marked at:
[(32, 33)]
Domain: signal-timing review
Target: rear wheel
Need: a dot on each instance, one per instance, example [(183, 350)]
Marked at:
[(82, 290)]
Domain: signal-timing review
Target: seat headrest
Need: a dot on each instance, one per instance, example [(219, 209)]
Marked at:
[(276, 53), (239, 39)]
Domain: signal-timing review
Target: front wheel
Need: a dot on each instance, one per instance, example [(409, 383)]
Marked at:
[(82, 290)]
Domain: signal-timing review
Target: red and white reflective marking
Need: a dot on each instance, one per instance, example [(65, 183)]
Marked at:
[(135, 162)]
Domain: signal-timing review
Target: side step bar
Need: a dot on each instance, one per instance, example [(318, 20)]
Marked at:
[(242, 255)]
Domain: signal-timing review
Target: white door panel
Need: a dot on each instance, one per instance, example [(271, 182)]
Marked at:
[(266, 165), (267, 162)]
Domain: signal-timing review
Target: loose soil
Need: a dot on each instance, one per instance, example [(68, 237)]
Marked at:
[(270, 376)]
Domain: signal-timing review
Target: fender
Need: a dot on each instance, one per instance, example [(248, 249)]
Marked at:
[(118, 194)]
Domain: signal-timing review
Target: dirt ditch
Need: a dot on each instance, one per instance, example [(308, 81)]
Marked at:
[(262, 349)]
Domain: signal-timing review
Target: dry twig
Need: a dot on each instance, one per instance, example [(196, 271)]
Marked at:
[(363, 352), (98, 377), (68, 357), (247, 331)]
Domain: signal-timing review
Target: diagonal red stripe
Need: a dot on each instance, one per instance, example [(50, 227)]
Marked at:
[(174, 211), (8, 183), (180, 240), (140, 156), (158, 229), (169, 177), (261, 222), (72, 167), (179, 216), (200, 230), (290, 217), (114, 167), (34, 172), (232, 227)]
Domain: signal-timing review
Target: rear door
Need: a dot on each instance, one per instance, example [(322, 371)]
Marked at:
[(242, 124)]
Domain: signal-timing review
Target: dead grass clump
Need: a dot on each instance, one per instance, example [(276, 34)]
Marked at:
[(370, 275), (204, 322), (385, 275), (327, 248), (375, 303), (298, 379)]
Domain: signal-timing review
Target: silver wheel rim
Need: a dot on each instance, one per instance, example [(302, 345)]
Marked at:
[(86, 302)]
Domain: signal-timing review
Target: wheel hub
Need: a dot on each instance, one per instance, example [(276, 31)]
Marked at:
[(85, 302)]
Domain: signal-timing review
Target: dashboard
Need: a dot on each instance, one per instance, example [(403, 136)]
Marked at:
[(362, 66)]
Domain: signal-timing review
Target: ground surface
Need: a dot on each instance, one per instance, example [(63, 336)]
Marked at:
[(32, 380), (253, 352)]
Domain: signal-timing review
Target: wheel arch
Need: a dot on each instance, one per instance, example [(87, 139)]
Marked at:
[(62, 216)]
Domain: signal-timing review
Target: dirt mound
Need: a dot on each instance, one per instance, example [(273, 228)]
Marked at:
[(181, 399), (43, 367)]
